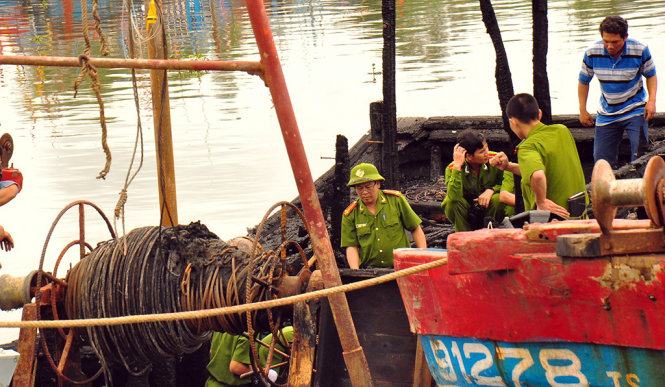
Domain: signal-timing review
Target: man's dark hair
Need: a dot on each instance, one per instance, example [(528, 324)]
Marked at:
[(523, 107), (614, 25), (471, 140)]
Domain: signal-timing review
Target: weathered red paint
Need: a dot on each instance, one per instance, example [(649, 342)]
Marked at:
[(509, 285)]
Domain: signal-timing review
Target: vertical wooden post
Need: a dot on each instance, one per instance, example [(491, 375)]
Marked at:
[(421, 374), (376, 131), (340, 197), (305, 315), (389, 159), (161, 114), (27, 345)]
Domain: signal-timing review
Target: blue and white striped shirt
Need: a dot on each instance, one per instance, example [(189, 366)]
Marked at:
[(622, 89)]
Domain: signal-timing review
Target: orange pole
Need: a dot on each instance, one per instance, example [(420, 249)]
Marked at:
[(354, 357)]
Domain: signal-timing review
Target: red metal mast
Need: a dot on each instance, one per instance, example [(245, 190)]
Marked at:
[(354, 357)]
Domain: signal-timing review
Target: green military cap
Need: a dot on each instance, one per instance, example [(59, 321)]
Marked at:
[(363, 173)]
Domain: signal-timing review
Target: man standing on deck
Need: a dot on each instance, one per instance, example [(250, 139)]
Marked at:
[(547, 158), (473, 185), (373, 225), (619, 63)]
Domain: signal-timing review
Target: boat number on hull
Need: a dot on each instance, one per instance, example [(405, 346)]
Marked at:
[(468, 362)]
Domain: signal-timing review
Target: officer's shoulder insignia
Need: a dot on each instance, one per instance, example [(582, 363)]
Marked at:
[(392, 192), (350, 208)]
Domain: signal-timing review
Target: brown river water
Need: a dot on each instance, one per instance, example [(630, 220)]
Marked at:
[(230, 160)]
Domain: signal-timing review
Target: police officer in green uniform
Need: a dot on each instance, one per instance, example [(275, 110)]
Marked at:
[(547, 158), (473, 185), (507, 194), (284, 341), (373, 225), (229, 358)]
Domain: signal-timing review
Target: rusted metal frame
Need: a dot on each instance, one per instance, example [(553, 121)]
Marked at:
[(81, 232), (632, 242), (644, 241), (65, 351), (51, 291), (249, 67), (353, 354), (27, 345)]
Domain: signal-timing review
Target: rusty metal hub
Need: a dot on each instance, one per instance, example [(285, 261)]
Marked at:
[(609, 194)]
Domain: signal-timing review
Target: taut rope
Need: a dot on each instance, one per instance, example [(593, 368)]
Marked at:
[(208, 313)]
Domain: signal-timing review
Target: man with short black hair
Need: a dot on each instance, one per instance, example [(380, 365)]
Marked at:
[(547, 158), (619, 63), (473, 185)]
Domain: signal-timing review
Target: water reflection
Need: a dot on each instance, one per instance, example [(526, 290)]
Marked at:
[(231, 163)]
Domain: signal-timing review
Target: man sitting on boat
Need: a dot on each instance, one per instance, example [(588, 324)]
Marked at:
[(373, 225), (547, 159), (473, 185)]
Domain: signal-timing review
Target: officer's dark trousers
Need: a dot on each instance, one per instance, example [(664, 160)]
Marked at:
[(457, 211)]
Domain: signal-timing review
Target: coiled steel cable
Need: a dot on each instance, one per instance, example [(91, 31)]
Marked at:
[(180, 268)]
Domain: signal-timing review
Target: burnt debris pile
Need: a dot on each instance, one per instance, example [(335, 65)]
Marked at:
[(161, 270)]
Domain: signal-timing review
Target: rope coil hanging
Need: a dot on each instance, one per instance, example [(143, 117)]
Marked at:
[(88, 70)]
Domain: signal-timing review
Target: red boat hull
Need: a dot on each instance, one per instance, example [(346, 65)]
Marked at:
[(509, 285)]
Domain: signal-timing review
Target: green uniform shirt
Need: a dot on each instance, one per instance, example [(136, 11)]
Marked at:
[(224, 348), (377, 235), (287, 333), (508, 183), (466, 184), (550, 148)]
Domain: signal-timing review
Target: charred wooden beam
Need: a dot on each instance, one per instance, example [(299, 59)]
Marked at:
[(305, 316), (504, 80), (541, 83), (340, 192), (389, 159), (376, 131)]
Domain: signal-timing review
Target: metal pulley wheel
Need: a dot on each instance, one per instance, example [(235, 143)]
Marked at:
[(41, 279), (289, 284)]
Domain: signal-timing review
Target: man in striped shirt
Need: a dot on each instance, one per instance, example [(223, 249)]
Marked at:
[(619, 63)]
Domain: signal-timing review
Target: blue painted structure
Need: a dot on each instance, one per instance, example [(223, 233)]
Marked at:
[(457, 361)]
